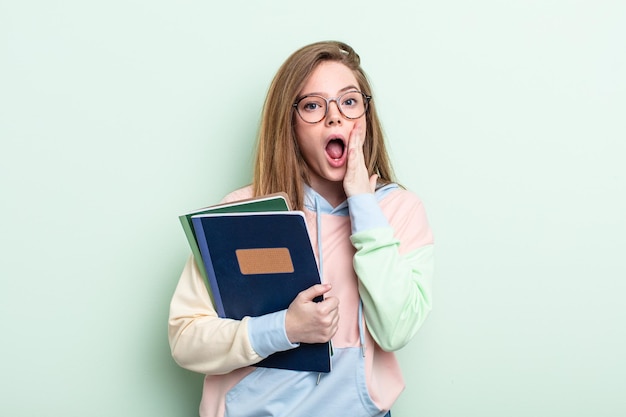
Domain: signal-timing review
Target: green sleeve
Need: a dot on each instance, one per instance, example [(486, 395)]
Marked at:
[(395, 288)]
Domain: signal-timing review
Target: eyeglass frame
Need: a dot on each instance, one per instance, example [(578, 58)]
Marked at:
[(366, 101)]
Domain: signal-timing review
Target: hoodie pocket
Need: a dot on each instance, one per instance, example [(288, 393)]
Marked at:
[(276, 392)]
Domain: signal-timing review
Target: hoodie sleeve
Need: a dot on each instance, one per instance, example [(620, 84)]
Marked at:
[(394, 264), (203, 342), (199, 340)]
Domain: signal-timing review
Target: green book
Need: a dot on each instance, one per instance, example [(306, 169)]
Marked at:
[(271, 202)]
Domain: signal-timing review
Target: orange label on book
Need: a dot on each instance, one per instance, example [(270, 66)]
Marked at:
[(264, 261)]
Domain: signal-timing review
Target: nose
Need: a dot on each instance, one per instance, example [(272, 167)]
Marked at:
[(334, 114)]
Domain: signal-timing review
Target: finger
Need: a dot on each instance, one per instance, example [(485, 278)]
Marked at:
[(373, 182), (329, 304), (315, 291), (356, 159), (356, 137)]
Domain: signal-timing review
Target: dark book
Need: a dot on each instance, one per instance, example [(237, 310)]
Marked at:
[(257, 263), (271, 202)]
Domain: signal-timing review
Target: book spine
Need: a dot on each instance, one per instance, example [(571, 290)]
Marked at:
[(208, 265), (185, 221)]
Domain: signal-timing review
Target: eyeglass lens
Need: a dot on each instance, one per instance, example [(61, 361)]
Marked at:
[(313, 108)]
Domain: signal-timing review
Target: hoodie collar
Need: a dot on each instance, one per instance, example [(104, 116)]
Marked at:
[(315, 202)]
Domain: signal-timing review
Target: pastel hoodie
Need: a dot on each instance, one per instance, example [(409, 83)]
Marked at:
[(377, 252)]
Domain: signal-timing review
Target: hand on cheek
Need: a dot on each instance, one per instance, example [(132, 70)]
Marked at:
[(356, 180)]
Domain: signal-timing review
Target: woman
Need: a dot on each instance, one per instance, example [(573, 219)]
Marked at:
[(320, 141)]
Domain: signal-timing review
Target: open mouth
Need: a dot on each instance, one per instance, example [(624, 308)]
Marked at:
[(335, 148)]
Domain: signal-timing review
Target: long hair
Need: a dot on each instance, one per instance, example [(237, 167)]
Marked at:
[(279, 165)]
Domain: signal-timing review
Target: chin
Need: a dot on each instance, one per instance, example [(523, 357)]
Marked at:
[(335, 176)]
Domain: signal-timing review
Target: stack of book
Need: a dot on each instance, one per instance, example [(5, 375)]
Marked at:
[(256, 256)]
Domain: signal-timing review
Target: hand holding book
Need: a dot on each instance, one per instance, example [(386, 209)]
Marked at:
[(308, 321)]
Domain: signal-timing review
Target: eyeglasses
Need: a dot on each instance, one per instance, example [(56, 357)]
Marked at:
[(313, 108)]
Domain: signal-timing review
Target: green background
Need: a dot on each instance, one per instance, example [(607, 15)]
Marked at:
[(506, 117)]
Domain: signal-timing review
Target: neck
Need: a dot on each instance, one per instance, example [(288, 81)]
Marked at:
[(331, 191)]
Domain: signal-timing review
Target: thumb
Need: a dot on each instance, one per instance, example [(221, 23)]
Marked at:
[(315, 291), (373, 181)]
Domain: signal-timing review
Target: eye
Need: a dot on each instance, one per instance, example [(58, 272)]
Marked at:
[(311, 104), (351, 100)]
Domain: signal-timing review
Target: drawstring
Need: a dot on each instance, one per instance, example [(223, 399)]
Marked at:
[(318, 214), (318, 218)]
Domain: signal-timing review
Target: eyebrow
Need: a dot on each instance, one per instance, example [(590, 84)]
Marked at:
[(343, 90)]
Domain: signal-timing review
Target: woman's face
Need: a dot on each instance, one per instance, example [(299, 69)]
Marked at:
[(324, 145)]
